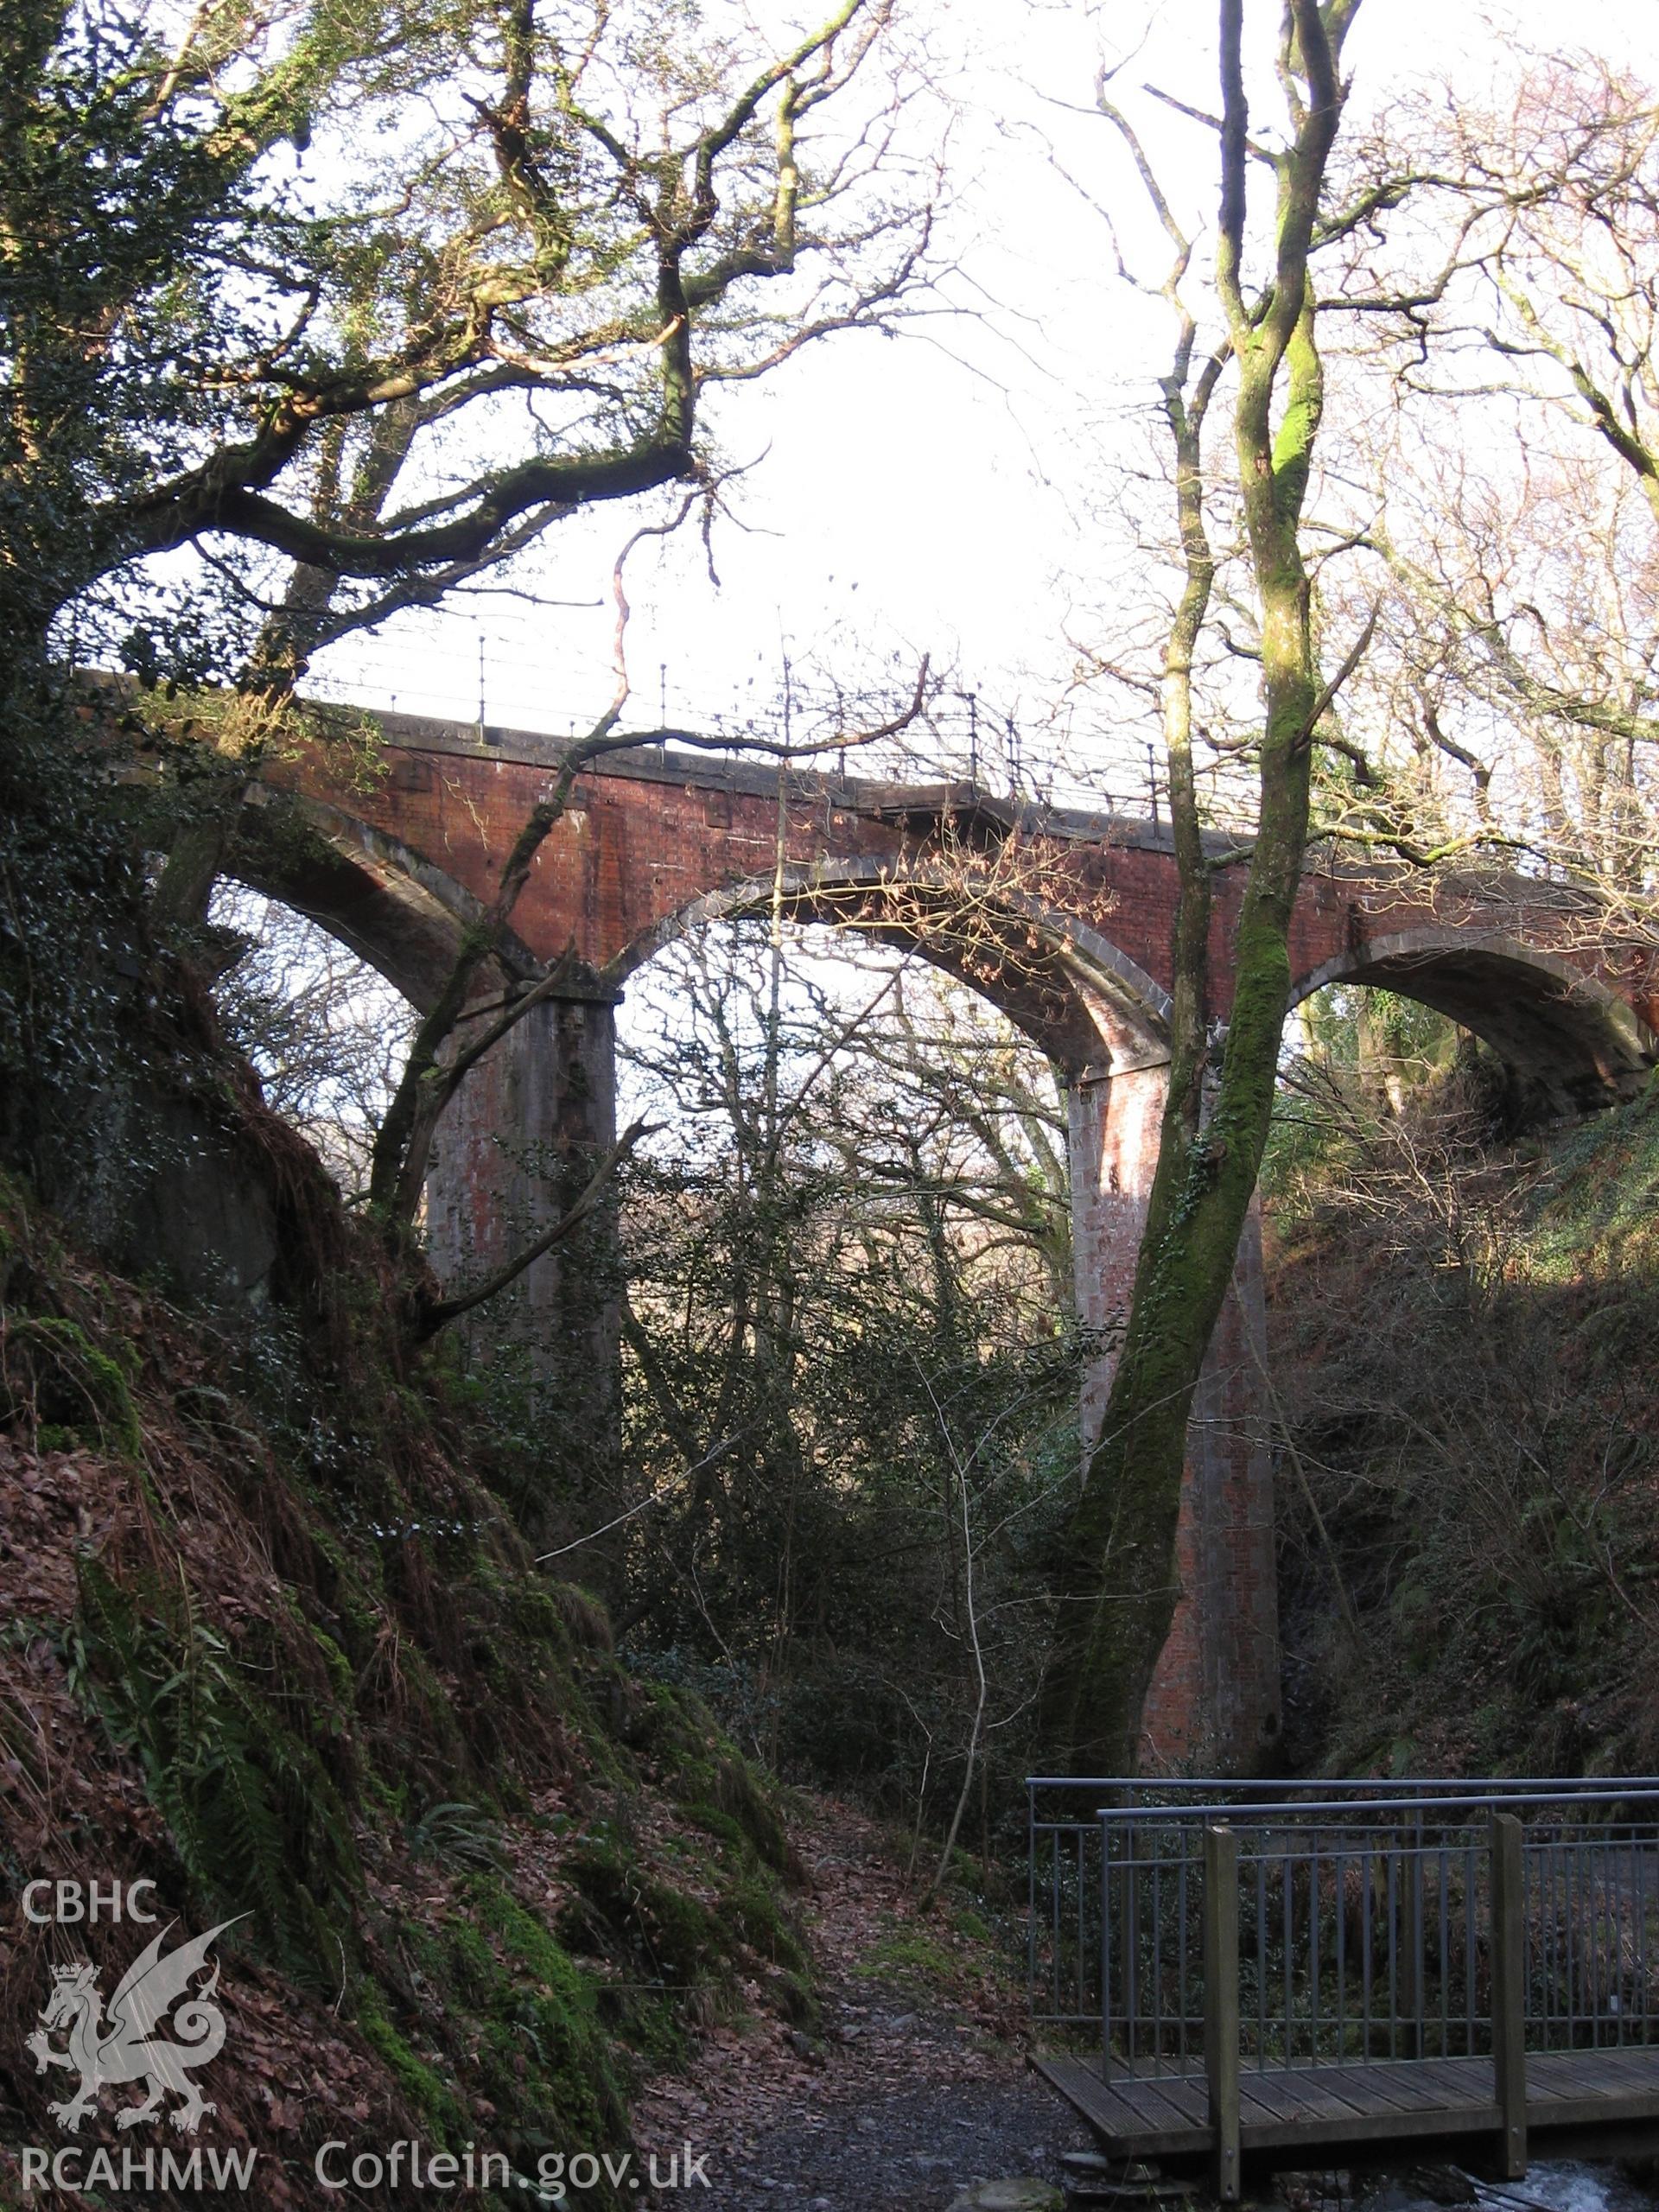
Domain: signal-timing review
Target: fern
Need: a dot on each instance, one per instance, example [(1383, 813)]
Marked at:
[(454, 1833), (253, 1815)]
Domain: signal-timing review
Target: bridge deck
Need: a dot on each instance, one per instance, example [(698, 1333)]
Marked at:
[(1375, 2107)]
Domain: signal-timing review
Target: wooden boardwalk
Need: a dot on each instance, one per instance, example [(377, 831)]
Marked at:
[(1230, 1956), (1290, 2112)]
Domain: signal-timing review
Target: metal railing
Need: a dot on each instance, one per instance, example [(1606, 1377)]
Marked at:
[(1363, 1916), (1590, 1917)]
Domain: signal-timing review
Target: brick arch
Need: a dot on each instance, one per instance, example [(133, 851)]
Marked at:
[(391, 906), (1577, 1044), (1077, 995), (1096, 1012)]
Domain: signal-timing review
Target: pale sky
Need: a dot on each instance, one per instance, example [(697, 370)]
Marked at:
[(949, 491)]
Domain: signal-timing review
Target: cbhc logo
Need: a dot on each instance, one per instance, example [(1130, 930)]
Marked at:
[(74, 1903)]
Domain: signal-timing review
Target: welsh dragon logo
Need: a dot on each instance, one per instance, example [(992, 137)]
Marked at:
[(124, 2047)]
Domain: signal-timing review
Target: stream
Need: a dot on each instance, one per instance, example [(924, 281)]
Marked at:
[(1553, 2186)]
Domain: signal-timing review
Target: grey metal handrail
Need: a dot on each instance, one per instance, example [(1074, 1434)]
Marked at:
[(1367, 1908)]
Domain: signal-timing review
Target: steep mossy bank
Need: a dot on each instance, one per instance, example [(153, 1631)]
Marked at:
[(268, 1641), (1464, 1348)]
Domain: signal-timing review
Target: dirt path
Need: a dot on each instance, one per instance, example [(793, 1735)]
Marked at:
[(913, 2083)]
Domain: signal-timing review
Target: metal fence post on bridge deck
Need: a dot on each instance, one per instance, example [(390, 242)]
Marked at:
[(1221, 2003), (1408, 2013), (1509, 1940)]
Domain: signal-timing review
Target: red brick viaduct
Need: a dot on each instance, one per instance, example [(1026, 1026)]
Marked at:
[(1062, 919)]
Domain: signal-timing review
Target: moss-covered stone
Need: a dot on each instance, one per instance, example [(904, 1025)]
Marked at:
[(421, 2083), (493, 1984), (76, 1386)]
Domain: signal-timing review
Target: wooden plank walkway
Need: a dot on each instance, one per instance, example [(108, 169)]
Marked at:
[(1350, 2107)]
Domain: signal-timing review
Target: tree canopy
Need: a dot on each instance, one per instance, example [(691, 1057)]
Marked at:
[(386, 293)]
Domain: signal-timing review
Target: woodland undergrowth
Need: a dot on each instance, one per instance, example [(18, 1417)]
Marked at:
[(1461, 1335), (269, 1640)]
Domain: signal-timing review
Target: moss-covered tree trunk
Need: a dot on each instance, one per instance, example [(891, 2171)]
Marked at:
[(1117, 1587)]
